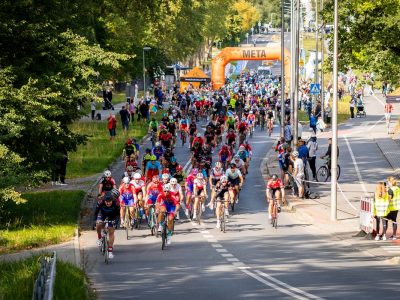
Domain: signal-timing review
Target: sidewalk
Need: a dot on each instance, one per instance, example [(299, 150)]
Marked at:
[(317, 211)]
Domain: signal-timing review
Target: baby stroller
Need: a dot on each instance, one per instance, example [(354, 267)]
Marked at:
[(360, 109)]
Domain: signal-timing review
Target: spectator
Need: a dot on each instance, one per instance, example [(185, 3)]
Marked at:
[(381, 210), (313, 123), (352, 105), (93, 108), (312, 146), (328, 113), (124, 119), (298, 172), (394, 204), (317, 110), (132, 110), (112, 126), (288, 133), (144, 110)]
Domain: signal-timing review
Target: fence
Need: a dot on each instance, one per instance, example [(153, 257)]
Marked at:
[(44, 284), (367, 214)]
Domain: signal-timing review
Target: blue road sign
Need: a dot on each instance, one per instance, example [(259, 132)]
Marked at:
[(315, 89)]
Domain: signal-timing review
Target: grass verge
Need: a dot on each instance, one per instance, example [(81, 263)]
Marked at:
[(46, 218), (343, 111), (17, 279)]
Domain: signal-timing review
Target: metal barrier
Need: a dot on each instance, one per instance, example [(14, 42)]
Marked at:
[(44, 284), (367, 214)]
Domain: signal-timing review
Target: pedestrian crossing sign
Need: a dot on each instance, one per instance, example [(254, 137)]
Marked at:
[(315, 89)]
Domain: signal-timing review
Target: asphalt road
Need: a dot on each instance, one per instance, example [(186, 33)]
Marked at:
[(251, 260)]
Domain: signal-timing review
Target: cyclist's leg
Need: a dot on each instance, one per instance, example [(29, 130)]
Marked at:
[(99, 227), (162, 209), (111, 236), (122, 213)]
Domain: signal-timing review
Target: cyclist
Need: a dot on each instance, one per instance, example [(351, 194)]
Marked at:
[(235, 178), (107, 183), (231, 138), (244, 156), (239, 163), (139, 189), (328, 154), (158, 150), (231, 122), (153, 168), (129, 150), (251, 119), (165, 138), (388, 114), (200, 193), (153, 189), (189, 188), (107, 214), (209, 136), (167, 204), (146, 157), (192, 132), (128, 173), (126, 199), (275, 188), (198, 140), (215, 175), (222, 195), (270, 119), (225, 155), (176, 191), (183, 127)]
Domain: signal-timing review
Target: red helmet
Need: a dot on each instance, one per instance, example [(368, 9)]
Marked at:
[(129, 142), (165, 171), (179, 168)]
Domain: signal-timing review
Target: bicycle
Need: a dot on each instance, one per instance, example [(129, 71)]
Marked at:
[(274, 213), (324, 172), (270, 126), (164, 231), (183, 137), (152, 220), (199, 209), (153, 138), (104, 242), (235, 200), (127, 221), (222, 214)]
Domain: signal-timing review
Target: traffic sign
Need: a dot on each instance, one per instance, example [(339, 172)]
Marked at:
[(315, 89)]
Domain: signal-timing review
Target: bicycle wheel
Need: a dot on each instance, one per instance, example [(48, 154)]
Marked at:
[(223, 223), (105, 243), (200, 211), (152, 221), (164, 235), (322, 174), (127, 222), (276, 216)]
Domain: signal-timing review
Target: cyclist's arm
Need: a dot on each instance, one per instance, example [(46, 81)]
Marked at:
[(100, 188)]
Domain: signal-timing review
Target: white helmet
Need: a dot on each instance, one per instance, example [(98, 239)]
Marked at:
[(138, 171), (295, 153), (173, 181), (251, 112), (137, 176), (157, 144), (200, 175), (107, 173), (224, 178), (165, 176), (218, 164), (198, 135), (126, 180), (166, 187)]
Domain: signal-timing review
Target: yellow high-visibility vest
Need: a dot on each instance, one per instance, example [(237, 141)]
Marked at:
[(381, 208), (394, 204)]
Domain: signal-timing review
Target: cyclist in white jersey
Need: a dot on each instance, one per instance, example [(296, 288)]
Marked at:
[(215, 176), (176, 191), (235, 178)]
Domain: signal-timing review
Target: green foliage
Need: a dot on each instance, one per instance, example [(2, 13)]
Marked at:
[(18, 277), (46, 218), (368, 36)]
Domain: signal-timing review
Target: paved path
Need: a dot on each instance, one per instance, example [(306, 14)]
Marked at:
[(305, 258)]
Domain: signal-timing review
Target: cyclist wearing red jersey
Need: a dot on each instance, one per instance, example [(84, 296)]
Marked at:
[(154, 188), (189, 188), (176, 191), (126, 199), (275, 188), (139, 189), (231, 138), (107, 183), (167, 204)]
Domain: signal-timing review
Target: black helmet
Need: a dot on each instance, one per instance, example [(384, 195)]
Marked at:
[(108, 197)]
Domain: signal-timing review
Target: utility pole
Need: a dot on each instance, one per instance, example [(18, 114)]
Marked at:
[(282, 67), (322, 65), (292, 58), (296, 82), (334, 117), (316, 51)]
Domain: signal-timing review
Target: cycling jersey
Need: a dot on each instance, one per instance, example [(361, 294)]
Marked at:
[(137, 186), (199, 183), (153, 125), (153, 190), (233, 175), (176, 190), (239, 163), (130, 149), (243, 155), (275, 185), (168, 201), (126, 195), (189, 182), (108, 184), (158, 151), (103, 212)]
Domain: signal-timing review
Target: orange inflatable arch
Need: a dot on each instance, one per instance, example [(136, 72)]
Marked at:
[(270, 52)]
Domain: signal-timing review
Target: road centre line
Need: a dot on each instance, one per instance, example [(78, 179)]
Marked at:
[(383, 104), (356, 166)]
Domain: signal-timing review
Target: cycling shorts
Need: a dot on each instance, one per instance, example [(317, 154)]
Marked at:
[(152, 199), (198, 192), (127, 202), (234, 181), (170, 207)]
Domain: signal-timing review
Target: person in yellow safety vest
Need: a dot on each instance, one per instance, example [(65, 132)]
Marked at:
[(381, 210), (232, 103), (394, 204)]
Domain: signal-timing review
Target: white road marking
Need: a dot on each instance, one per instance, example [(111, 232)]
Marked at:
[(205, 231), (216, 245), (356, 166), (293, 289), (383, 104), (221, 250), (208, 236), (226, 255), (232, 259)]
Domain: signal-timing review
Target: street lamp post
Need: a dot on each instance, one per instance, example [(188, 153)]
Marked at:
[(282, 68), (259, 27), (322, 66), (252, 33), (334, 117), (144, 71), (247, 36), (316, 50)]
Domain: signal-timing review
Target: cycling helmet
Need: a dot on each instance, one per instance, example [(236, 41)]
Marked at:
[(138, 171), (157, 144), (195, 171), (251, 112), (153, 158), (129, 168), (200, 176), (115, 193), (218, 164), (126, 180), (295, 153), (224, 178), (165, 176), (173, 181), (233, 165), (171, 117), (274, 177), (242, 148), (236, 157), (179, 168), (108, 197), (137, 176), (166, 187), (173, 159), (198, 135), (107, 173)]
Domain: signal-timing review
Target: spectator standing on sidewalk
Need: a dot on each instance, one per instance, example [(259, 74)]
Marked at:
[(388, 114), (312, 146), (352, 105), (298, 172), (394, 204), (381, 210), (93, 108), (131, 109), (313, 123), (112, 126), (124, 119)]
